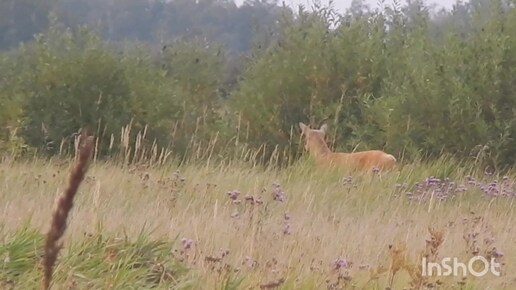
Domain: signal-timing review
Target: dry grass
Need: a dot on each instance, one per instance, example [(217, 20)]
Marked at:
[(326, 234), (63, 207)]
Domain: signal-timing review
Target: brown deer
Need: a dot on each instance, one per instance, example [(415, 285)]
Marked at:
[(364, 160)]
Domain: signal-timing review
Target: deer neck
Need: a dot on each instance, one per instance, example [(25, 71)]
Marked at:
[(319, 149)]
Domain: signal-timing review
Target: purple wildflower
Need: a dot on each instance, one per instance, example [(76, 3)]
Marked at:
[(277, 193), (233, 194), (186, 243), (341, 263)]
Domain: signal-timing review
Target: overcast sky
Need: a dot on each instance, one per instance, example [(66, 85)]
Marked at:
[(343, 4)]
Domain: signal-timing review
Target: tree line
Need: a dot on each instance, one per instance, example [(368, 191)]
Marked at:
[(403, 78)]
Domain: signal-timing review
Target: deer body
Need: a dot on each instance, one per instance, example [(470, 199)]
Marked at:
[(364, 160)]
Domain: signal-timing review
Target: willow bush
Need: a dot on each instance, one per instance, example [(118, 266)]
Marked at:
[(384, 79)]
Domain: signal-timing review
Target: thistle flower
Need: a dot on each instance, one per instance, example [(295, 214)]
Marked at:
[(233, 194), (186, 243), (341, 263), (277, 193)]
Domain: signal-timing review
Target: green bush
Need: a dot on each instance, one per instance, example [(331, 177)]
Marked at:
[(68, 80), (396, 79), (385, 80), (73, 82)]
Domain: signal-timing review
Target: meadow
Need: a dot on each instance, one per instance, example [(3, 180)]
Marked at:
[(198, 180), (234, 224)]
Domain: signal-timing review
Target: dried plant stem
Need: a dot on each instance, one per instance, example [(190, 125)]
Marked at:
[(63, 207)]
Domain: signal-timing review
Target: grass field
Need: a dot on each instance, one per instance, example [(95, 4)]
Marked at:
[(230, 225)]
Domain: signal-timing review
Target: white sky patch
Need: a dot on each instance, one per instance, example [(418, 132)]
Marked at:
[(342, 5)]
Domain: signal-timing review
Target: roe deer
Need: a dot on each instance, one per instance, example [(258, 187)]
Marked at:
[(365, 160)]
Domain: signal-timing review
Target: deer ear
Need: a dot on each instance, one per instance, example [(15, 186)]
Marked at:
[(303, 127), (324, 128)]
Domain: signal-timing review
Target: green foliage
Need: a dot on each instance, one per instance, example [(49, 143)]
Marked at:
[(400, 78), (73, 82), (455, 97), (385, 81), (68, 80), (11, 103), (197, 71), (20, 253), (142, 263), (315, 73)]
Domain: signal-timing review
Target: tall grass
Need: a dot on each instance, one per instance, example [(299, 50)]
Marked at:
[(223, 225), (63, 206)]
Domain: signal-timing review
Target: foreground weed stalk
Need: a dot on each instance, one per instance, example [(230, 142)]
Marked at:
[(63, 207)]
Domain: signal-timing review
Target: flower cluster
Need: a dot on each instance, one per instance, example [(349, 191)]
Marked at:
[(443, 189)]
